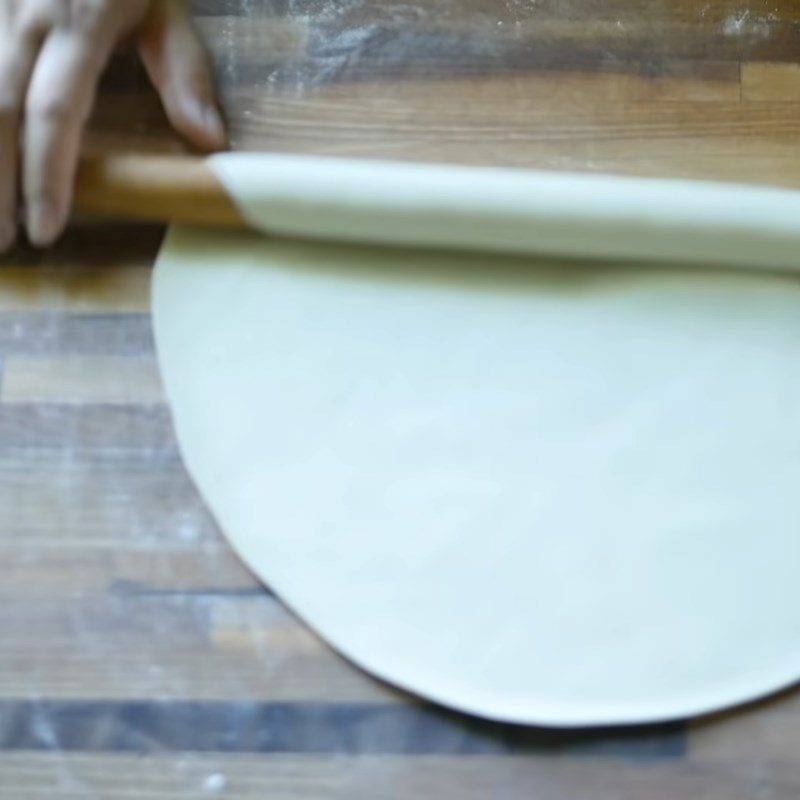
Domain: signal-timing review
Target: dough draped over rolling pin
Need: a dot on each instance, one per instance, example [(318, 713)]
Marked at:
[(516, 211)]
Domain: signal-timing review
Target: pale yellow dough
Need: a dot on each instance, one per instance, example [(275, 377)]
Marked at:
[(541, 492)]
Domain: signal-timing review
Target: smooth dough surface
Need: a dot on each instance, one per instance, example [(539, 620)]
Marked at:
[(537, 492)]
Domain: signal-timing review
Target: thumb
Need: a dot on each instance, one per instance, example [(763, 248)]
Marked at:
[(179, 67)]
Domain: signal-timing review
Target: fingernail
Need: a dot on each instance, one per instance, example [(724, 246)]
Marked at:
[(212, 123), (44, 223)]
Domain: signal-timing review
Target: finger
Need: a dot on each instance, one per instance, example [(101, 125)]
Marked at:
[(18, 52), (59, 101), (179, 67)]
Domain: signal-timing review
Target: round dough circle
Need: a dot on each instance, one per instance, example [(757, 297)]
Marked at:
[(537, 493)]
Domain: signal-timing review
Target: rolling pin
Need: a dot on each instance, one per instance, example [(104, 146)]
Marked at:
[(165, 189), (506, 211)]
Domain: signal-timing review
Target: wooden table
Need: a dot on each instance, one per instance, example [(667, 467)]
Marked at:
[(138, 658)]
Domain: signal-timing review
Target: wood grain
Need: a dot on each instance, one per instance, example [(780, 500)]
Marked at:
[(138, 657), (35, 777), (82, 379)]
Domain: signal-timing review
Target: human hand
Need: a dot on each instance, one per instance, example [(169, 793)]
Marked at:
[(52, 54)]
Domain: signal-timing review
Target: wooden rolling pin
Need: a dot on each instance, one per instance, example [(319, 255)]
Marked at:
[(179, 189)]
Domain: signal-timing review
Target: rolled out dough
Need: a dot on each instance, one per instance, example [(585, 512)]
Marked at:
[(538, 492)]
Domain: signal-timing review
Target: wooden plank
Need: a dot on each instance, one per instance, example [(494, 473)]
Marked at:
[(89, 272), (44, 333), (374, 40), (687, 10), (111, 289), (767, 731), (184, 674), (340, 777), (82, 379), (490, 121), (473, 111), (773, 83), (57, 499), (125, 563), (181, 646), (234, 40), (90, 434), (309, 727)]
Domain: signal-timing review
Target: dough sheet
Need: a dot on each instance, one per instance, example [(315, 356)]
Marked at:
[(540, 491)]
